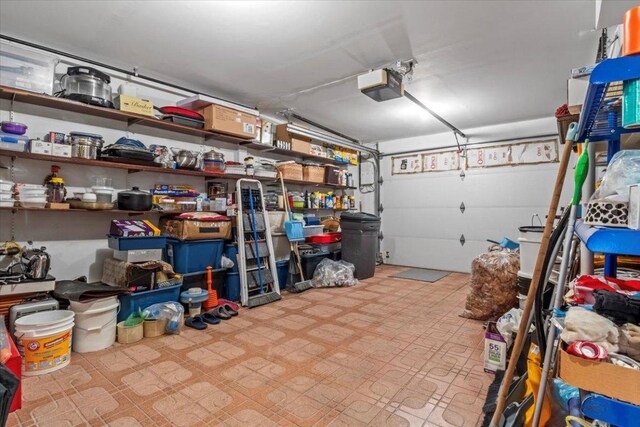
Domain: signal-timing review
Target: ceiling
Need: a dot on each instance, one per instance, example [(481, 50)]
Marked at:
[(479, 62)]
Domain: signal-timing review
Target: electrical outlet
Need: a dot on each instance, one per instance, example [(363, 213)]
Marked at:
[(387, 254)]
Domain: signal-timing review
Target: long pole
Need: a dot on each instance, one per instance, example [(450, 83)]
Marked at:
[(537, 272)]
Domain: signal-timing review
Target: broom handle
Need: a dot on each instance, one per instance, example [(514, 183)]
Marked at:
[(284, 195), (526, 312)]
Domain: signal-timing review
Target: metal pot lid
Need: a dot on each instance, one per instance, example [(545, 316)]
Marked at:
[(135, 191), (85, 135), (213, 155), (88, 71)]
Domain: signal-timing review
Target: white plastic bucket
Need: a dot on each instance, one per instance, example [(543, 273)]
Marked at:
[(45, 341), (529, 239), (95, 324)]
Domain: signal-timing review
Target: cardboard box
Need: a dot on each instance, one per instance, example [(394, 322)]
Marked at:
[(133, 228), (317, 150), (600, 377), (61, 150), (55, 137), (131, 104), (229, 121), (198, 226), (38, 146), (495, 349), (300, 146)]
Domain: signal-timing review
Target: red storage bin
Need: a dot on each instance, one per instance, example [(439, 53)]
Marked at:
[(324, 238)]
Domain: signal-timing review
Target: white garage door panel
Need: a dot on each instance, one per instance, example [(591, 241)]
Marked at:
[(433, 222), (422, 222), (441, 254)]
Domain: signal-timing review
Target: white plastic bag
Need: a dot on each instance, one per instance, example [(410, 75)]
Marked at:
[(226, 262), (331, 273)]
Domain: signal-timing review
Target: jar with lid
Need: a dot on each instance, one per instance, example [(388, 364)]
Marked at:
[(55, 190)]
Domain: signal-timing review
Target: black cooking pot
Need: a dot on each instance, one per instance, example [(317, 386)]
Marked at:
[(134, 200)]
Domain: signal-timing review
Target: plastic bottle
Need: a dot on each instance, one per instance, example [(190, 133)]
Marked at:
[(338, 203)]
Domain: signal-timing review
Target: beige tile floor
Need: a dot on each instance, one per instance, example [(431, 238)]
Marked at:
[(387, 352)]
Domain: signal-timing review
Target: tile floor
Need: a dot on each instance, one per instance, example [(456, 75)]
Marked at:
[(388, 352)]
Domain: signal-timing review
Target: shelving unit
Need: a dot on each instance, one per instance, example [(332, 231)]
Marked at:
[(112, 211), (109, 113), (600, 120), (140, 168)]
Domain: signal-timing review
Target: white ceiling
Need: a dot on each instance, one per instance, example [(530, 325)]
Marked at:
[(480, 62)]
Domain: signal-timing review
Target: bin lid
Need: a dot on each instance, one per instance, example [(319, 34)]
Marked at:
[(531, 229), (358, 217)]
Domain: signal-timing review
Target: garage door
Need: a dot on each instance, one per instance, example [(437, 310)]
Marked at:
[(422, 222)]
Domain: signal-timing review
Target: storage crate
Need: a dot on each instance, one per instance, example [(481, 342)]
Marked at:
[(25, 68), (135, 243), (332, 175), (194, 255), (130, 303), (313, 174), (291, 171), (312, 230)]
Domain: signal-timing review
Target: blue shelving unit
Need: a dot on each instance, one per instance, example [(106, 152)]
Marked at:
[(600, 120), (609, 241)]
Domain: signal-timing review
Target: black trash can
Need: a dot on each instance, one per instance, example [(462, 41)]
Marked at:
[(360, 241)]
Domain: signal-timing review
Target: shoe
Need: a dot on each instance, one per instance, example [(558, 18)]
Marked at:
[(230, 310), (210, 318), (196, 322), (233, 305), (220, 313)]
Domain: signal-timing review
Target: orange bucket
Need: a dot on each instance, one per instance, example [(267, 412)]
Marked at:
[(631, 39)]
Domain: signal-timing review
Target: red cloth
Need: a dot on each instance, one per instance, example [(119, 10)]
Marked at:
[(591, 283)]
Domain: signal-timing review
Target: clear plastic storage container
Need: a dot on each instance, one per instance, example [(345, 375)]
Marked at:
[(26, 68)]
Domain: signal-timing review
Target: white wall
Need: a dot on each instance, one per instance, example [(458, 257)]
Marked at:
[(77, 240), (422, 222)]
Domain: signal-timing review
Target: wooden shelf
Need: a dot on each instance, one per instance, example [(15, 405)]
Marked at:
[(109, 113), (113, 211), (308, 157), (141, 168)]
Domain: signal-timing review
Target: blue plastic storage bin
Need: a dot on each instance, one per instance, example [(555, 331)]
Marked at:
[(282, 268), (130, 303), (232, 285), (192, 256), (134, 243), (231, 252)]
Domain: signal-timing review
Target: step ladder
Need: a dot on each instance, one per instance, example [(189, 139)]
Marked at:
[(256, 260)]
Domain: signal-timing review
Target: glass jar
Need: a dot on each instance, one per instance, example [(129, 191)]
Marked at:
[(55, 190)]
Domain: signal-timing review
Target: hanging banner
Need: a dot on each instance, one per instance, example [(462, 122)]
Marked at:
[(523, 153), (535, 152), (498, 155), (441, 161), (406, 164)]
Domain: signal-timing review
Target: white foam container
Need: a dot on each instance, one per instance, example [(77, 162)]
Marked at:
[(95, 327)]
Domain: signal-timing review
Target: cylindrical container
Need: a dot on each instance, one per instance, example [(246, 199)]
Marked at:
[(631, 32), (95, 327), (154, 327), (232, 287), (129, 334), (85, 146), (44, 341), (55, 190), (631, 103), (529, 239)]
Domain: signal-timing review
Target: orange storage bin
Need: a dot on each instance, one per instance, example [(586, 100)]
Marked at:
[(631, 39)]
